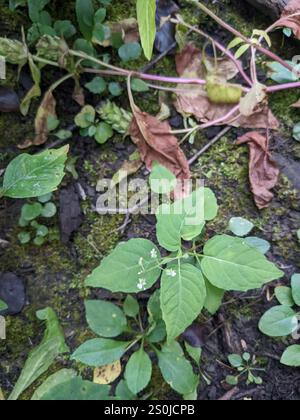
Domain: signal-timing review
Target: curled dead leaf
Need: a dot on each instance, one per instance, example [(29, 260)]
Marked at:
[(263, 171), (78, 93), (156, 143), (290, 17), (45, 114)]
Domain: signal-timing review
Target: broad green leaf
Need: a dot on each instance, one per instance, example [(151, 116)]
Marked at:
[(42, 357), (105, 318), (260, 244), (235, 360), (183, 294), (194, 352), (131, 306), (97, 86), (154, 309), (138, 85), (157, 332), (103, 133), (123, 392), (35, 7), (281, 74), (146, 10), (49, 210), (3, 305), (85, 16), (177, 371), (231, 264), (31, 176), (86, 117), (185, 218), (214, 298), (284, 296), (60, 377), (64, 29), (162, 181), (130, 51), (279, 321), (30, 212), (138, 371), (296, 288), (115, 89), (296, 132), (76, 389), (131, 268), (100, 351), (240, 226), (291, 356)]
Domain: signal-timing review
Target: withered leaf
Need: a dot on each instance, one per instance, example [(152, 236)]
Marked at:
[(9, 100), (156, 143), (128, 168), (105, 375), (46, 112), (78, 93), (290, 17), (263, 171), (193, 99)]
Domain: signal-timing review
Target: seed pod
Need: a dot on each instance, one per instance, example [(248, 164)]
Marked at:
[(14, 51), (223, 93), (53, 49)]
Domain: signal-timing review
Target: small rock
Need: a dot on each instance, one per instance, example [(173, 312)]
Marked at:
[(12, 292)]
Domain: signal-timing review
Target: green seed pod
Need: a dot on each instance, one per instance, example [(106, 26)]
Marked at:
[(223, 93), (116, 117), (14, 51), (53, 49)]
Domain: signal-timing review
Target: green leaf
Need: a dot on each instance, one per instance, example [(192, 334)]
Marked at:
[(138, 85), (97, 86), (194, 352), (162, 181), (42, 357), (131, 307), (42, 231), (296, 288), (284, 296), (214, 298), (24, 238), (157, 332), (100, 351), (123, 392), (185, 218), (85, 16), (281, 74), (240, 226), (32, 176), (35, 7), (60, 377), (86, 117), (231, 264), (115, 89), (296, 132), (258, 243), (130, 51), (242, 50), (279, 321), (103, 133), (49, 210), (146, 11), (153, 307), (130, 268), (138, 371), (76, 389), (291, 356), (232, 380), (183, 294), (31, 211), (235, 360), (64, 29), (177, 371), (3, 306), (105, 318), (45, 198)]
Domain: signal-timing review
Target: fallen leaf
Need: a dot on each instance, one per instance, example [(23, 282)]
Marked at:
[(296, 104), (128, 168), (78, 93), (9, 100), (105, 375), (263, 171), (254, 100), (193, 99), (46, 112), (287, 19), (156, 143)]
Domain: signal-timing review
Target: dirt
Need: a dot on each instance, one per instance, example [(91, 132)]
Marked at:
[(54, 273)]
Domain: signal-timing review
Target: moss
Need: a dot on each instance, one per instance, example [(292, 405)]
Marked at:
[(280, 104)]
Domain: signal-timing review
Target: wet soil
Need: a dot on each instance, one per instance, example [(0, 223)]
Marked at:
[(54, 273)]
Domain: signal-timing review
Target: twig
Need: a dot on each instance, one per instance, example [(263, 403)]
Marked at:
[(245, 394), (211, 143), (229, 395)]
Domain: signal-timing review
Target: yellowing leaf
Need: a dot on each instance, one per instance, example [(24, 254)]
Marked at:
[(107, 374)]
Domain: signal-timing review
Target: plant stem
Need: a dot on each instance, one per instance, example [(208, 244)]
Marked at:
[(285, 86), (240, 35)]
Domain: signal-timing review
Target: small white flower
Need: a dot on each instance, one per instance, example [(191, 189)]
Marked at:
[(171, 273), (142, 284), (153, 253)]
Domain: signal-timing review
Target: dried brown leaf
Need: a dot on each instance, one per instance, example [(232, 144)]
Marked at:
[(78, 94), (263, 171), (288, 20), (156, 143)]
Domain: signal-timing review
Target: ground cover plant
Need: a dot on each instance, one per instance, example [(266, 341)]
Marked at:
[(114, 101)]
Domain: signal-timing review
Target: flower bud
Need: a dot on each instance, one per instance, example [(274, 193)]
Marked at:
[(53, 49), (14, 51)]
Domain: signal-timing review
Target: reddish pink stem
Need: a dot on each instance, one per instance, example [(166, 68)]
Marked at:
[(285, 86)]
